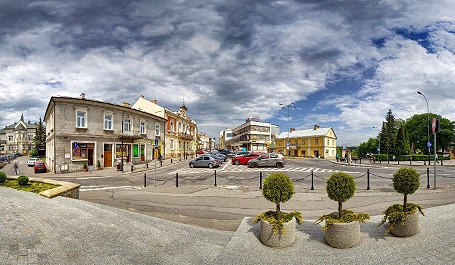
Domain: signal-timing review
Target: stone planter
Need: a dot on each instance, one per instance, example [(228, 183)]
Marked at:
[(277, 240), (343, 235), (409, 228)]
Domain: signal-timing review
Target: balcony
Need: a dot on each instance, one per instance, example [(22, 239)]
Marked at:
[(185, 136)]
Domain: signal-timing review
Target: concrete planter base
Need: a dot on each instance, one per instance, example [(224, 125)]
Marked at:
[(277, 240), (411, 226), (343, 235)]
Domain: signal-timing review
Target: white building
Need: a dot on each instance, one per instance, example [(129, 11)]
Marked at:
[(253, 135), (18, 137)]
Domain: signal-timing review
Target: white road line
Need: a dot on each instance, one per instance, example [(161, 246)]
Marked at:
[(107, 188), (97, 177)]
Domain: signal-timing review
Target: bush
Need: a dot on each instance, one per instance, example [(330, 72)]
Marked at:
[(406, 181), (98, 164), (340, 187), (22, 180), (2, 177), (278, 188), (85, 165)]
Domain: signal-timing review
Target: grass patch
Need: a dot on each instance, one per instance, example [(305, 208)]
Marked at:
[(35, 187)]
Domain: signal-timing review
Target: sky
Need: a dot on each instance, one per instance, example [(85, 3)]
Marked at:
[(343, 63)]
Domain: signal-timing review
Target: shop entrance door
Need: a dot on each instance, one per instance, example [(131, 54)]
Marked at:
[(107, 155)]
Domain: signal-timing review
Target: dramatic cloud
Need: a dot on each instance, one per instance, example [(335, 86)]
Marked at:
[(344, 63)]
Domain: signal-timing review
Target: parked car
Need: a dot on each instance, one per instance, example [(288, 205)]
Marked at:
[(204, 161), (267, 160), (31, 161), (39, 166), (243, 159), (200, 152), (219, 156)]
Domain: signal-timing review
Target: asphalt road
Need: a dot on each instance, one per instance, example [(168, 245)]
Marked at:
[(197, 201)]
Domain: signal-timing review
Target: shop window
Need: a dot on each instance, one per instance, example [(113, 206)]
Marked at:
[(135, 150), (83, 151)]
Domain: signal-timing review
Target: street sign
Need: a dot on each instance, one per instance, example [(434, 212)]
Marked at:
[(379, 150), (156, 143), (428, 144)]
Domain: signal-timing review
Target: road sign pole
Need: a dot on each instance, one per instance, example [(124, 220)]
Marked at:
[(434, 162)]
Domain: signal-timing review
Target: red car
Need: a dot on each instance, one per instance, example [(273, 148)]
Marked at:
[(40, 166), (243, 159)]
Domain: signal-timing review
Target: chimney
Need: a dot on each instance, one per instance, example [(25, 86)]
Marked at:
[(83, 96), (126, 104), (154, 101), (316, 127), (292, 130)]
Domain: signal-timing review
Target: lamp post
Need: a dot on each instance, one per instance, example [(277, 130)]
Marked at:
[(379, 138), (291, 105), (428, 125)]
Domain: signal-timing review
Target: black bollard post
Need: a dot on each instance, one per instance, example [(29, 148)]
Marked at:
[(312, 180), (215, 178), (161, 163), (428, 177), (177, 179), (368, 179), (131, 168), (260, 180), (171, 160), (441, 162), (147, 164), (145, 180)]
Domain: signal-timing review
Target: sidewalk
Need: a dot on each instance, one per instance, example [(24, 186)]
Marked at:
[(38, 230)]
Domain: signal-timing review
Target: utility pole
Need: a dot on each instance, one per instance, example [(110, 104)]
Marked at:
[(291, 105)]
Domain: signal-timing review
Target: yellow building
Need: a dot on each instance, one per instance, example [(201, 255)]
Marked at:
[(316, 142)]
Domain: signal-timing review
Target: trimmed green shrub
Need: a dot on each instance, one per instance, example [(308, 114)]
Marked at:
[(2, 177), (278, 188), (85, 165), (405, 181), (340, 187), (22, 180)]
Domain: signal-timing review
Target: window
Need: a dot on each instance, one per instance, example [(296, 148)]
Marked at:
[(127, 124), (108, 121), (10, 138), (316, 141), (172, 144), (135, 150), (157, 129), (81, 119), (10, 147), (172, 126), (30, 137), (142, 127), (328, 143), (303, 142)]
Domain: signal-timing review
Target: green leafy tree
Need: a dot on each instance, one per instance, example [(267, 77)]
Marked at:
[(406, 181), (388, 134), (278, 188), (418, 126), (402, 146), (340, 187), (369, 146)]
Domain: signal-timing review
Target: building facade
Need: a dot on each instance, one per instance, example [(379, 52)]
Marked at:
[(180, 129), (225, 135), (79, 131), (316, 142), (253, 135), (18, 137)]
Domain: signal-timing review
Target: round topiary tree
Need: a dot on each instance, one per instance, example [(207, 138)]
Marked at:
[(278, 188), (2, 177), (406, 181), (340, 187), (22, 180)]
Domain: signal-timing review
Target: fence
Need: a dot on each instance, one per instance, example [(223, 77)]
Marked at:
[(215, 178)]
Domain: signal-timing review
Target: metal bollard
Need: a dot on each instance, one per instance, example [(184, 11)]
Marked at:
[(171, 160), (131, 168), (145, 180), (161, 163), (312, 180), (260, 180), (215, 178), (428, 178), (177, 180), (147, 164), (368, 179)]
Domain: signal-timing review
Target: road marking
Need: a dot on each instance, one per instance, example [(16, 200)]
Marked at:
[(97, 177), (108, 188)]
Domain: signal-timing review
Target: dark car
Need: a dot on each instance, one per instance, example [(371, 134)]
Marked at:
[(40, 166)]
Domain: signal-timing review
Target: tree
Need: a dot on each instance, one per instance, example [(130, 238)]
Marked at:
[(370, 146), (388, 134), (402, 146), (417, 126), (40, 136)]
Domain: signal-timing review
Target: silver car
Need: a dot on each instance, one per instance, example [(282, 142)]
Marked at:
[(205, 161), (267, 160)]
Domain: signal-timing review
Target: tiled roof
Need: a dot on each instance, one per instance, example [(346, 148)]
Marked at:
[(304, 133)]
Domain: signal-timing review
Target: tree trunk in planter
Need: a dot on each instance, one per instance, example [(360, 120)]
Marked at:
[(277, 240), (343, 235), (411, 226)]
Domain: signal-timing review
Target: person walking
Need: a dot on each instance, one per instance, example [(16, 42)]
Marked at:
[(16, 168)]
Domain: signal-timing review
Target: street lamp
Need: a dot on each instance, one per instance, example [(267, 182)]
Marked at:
[(379, 138), (428, 125), (291, 105)]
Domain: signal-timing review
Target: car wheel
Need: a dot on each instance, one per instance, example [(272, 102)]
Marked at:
[(237, 162), (210, 165), (279, 165), (254, 165), (191, 165)]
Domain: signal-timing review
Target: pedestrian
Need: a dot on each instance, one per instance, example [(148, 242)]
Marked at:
[(16, 168), (338, 157)]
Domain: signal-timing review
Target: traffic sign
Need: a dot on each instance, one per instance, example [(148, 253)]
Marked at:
[(156, 143), (428, 144), (379, 149)]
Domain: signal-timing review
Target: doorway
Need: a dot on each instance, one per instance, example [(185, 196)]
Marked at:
[(107, 155)]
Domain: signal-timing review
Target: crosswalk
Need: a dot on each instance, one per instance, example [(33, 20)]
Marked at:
[(240, 168), (96, 188)]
